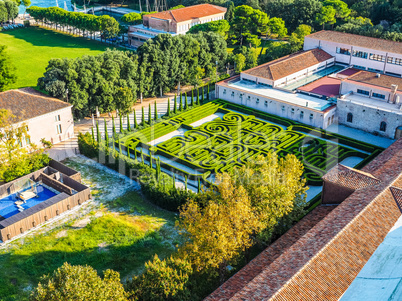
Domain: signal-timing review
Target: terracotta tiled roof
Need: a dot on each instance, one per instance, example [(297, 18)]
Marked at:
[(289, 64), (188, 13), (325, 260), (397, 194), (26, 106), (371, 78), (357, 40), (350, 177)]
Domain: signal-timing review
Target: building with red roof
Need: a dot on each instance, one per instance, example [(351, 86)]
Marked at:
[(177, 21)]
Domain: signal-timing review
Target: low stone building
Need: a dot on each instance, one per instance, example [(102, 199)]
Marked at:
[(45, 117), (319, 257)]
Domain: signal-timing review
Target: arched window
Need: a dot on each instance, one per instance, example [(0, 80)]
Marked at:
[(383, 126), (349, 118)]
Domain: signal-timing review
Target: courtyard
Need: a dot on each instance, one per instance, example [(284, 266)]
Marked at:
[(220, 136), (31, 48)]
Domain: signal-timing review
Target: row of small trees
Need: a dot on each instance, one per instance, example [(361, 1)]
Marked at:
[(8, 10), (78, 21)]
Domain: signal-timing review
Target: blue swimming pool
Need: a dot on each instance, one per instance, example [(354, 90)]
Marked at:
[(8, 207)]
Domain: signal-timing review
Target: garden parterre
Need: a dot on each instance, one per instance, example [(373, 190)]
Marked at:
[(241, 135)]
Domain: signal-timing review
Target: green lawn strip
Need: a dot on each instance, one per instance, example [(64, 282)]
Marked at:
[(31, 49)]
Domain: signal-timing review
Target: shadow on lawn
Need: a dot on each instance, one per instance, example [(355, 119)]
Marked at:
[(17, 272), (49, 38)]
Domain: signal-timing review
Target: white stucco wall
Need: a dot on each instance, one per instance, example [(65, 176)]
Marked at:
[(347, 87), (330, 47), (45, 126), (321, 119)]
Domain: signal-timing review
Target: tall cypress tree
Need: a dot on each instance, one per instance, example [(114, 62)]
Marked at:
[(202, 95), (192, 97), (181, 103), (185, 182), (208, 91), (114, 128), (185, 101), (156, 112), (174, 181), (98, 134), (143, 117), (175, 104), (150, 159), (149, 114), (142, 158), (93, 135), (198, 96), (106, 134), (128, 122), (121, 123), (168, 108), (199, 185), (135, 120)]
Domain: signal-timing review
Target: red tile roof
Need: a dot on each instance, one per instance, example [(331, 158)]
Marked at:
[(188, 13), (326, 259), (327, 86), (372, 79), (357, 40), (26, 106), (289, 64), (350, 177)]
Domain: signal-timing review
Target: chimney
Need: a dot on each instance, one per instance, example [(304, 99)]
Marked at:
[(392, 98)]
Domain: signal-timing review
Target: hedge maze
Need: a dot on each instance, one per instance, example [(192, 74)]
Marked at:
[(228, 142)]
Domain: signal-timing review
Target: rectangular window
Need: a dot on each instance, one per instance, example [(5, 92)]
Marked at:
[(57, 118), (58, 128), (360, 54), (345, 51), (374, 70), (377, 57), (394, 60), (377, 95), (359, 67), (364, 92)]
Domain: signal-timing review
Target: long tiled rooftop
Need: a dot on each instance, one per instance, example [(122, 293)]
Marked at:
[(325, 260)]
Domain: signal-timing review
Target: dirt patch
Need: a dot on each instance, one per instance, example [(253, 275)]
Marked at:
[(62, 233), (81, 223)]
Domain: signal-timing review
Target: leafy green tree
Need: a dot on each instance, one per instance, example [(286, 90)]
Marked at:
[(219, 231), (220, 26), (326, 16), (18, 155), (166, 279), (12, 9), (124, 100), (230, 12), (296, 39), (276, 26), (7, 69), (133, 18), (176, 7), (240, 62), (70, 283), (341, 8)]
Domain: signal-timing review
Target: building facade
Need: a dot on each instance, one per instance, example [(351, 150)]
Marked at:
[(366, 53), (45, 117), (174, 22)]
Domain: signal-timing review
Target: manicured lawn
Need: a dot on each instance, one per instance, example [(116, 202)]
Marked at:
[(122, 232), (32, 48)]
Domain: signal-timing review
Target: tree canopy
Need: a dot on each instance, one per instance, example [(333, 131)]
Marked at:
[(71, 283), (7, 69)]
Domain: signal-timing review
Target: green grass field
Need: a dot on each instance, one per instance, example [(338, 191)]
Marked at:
[(121, 233), (31, 49)]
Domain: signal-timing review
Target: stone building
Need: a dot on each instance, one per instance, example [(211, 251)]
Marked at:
[(177, 21), (45, 117)]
